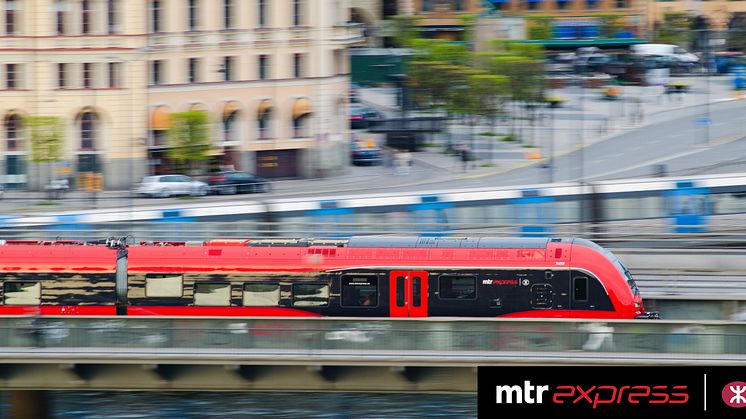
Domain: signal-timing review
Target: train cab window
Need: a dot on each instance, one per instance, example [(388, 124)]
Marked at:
[(458, 287), (261, 295), (22, 293), (212, 294), (580, 288), (359, 291), (310, 295), (164, 285)]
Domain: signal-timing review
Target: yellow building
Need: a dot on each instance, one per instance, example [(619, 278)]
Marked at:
[(272, 76), (442, 18), (717, 13)]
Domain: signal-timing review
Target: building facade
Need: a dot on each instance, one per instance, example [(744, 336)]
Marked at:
[(718, 13), (272, 77), (571, 19)]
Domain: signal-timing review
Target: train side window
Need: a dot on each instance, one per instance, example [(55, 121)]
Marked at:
[(458, 287), (261, 294), (22, 293), (580, 288), (212, 294), (164, 285), (359, 291), (400, 291), (310, 295)]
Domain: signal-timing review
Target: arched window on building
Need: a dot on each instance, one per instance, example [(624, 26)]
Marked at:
[(301, 118), (231, 114), (264, 120), (15, 159), (88, 125), (12, 131)]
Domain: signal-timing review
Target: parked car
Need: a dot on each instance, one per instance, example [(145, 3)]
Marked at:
[(561, 63), (591, 63), (164, 186), (366, 153), (362, 117), (232, 182)]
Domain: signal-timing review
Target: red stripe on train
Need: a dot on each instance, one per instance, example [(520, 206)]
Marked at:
[(217, 311), (58, 310)]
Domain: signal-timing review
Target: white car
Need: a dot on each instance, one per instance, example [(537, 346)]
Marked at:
[(168, 185)]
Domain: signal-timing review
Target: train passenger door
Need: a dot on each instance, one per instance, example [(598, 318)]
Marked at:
[(408, 293)]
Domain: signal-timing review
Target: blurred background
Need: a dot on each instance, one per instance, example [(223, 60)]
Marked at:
[(615, 120)]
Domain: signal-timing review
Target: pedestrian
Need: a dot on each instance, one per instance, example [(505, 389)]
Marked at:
[(465, 158)]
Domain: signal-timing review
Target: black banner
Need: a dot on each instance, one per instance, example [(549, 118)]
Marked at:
[(612, 392)]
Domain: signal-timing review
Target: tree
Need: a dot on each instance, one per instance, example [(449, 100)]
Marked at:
[(46, 135), (188, 137), (404, 30), (674, 29), (539, 27), (488, 94)]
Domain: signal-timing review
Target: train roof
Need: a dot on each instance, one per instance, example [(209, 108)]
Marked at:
[(392, 241), (354, 241)]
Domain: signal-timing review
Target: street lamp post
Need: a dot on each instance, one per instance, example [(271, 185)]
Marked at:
[(551, 145), (581, 153)]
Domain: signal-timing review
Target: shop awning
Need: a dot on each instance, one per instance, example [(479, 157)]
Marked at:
[(579, 43), (301, 107), (197, 107), (160, 119), (215, 151), (229, 108), (264, 106)]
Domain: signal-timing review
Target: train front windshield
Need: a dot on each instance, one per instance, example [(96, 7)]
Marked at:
[(615, 260)]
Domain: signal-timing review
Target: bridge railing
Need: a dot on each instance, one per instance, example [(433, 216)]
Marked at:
[(383, 336)]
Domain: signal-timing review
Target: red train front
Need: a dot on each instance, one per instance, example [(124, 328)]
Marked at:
[(371, 276)]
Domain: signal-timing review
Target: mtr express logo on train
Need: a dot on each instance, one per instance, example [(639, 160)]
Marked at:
[(612, 392)]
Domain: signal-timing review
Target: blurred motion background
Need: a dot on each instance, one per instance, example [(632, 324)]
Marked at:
[(189, 120)]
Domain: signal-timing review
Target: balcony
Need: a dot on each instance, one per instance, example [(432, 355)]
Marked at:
[(348, 33)]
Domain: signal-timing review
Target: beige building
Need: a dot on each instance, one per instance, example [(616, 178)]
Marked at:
[(272, 76), (718, 13)]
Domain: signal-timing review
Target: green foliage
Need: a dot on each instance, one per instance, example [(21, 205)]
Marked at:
[(455, 54), (488, 93), (47, 137), (468, 21), (533, 51), (674, 29), (526, 76), (188, 136), (539, 26), (405, 30)]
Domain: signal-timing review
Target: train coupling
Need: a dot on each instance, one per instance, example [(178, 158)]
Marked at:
[(650, 315)]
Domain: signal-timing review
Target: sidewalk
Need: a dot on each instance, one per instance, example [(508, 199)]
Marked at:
[(557, 131)]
